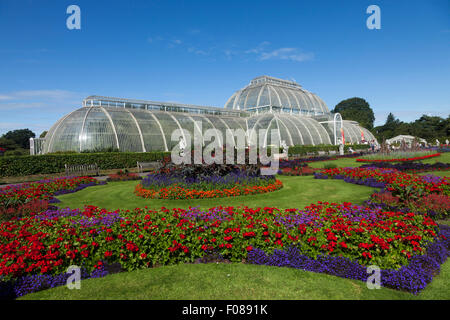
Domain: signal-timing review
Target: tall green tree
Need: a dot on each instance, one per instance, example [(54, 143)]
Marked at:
[(389, 129), (21, 137), (356, 109), (426, 127)]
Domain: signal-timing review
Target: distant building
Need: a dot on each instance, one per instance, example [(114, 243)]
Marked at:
[(408, 139)]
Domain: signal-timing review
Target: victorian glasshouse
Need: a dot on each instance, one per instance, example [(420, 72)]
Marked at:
[(299, 116)]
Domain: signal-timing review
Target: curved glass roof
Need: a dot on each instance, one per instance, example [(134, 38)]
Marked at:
[(137, 130), (293, 129), (134, 130), (354, 133), (268, 91)]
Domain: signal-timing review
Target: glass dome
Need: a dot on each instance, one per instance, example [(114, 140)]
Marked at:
[(354, 133), (285, 95), (293, 129)]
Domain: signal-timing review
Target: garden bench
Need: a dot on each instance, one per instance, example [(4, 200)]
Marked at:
[(81, 169), (147, 165), (332, 152), (311, 154), (321, 153)]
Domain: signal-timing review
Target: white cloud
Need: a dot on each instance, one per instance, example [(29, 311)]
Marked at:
[(193, 31), (197, 51), (45, 94), (46, 99), (259, 48), (5, 97), (293, 54)]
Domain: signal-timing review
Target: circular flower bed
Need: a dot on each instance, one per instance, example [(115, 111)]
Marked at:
[(201, 182), (400, 159)]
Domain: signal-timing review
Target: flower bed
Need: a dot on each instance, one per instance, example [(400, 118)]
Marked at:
[(49, 242), (178, 193), (24, 198), (123, 176), (427, 194), (43, 189), (410, 167), (412, 278), (399, 183), (298, 171), (199, 182), (399, 159)]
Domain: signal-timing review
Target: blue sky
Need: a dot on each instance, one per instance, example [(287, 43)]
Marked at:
[(201, 52)]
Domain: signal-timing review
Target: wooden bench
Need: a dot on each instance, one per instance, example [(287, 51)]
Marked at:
[(81, 169), (321, 153), (332, 153), (147, 165), (310, 154)]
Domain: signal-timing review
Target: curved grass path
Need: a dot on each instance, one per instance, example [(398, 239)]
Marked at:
[(297, 192), (233, 282)]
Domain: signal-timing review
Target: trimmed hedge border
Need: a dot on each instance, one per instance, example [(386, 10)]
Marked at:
[(54, 163), (324, 147)]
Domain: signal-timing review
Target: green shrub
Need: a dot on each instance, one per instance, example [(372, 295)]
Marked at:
[(54, 163), (329, 166), (302, 150)]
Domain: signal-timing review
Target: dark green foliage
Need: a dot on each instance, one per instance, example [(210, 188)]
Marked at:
[(302, 150), (54, 163), (100, 150), (429, 128), (8, 144), (356, 109), (21, 137)]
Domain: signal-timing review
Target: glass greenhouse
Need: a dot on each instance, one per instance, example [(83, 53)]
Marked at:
[(299, 117)]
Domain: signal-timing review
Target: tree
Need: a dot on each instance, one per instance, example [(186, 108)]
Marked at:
[(389, 129), (356, 109), (8, 144), (430, 127), (43, 134), (426, 127), (21, 137)]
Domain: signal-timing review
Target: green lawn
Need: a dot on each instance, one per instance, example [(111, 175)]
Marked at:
[(297, 192), (437, 173), (234, 282)]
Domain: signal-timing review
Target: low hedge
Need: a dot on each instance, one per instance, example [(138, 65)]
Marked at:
[(324, 147), (54, 163)]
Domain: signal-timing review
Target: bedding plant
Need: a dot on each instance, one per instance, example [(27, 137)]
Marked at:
[(339, 239), (211, 181)]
